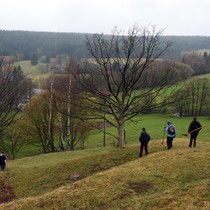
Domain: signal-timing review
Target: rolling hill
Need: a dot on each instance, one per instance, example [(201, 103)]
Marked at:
[(113, 179)]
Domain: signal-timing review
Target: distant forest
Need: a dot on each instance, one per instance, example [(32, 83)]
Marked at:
[(23, 44)]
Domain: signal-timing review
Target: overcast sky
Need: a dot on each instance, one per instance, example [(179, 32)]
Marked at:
[(176, 17)]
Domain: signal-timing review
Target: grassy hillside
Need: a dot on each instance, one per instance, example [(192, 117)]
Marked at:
[(113, 179), (34, 72)]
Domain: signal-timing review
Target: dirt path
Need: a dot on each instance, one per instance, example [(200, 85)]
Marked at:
[(6, 192)]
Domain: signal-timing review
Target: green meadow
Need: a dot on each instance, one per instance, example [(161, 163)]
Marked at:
[(33, 72), (154, 124), (200, 51)]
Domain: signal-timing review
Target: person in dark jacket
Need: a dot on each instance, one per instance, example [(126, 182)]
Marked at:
[(171, 133), (144, 138), (3, 160), (193, 130)]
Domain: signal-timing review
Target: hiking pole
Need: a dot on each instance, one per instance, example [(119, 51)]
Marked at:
[(164, 130), (186, 134)]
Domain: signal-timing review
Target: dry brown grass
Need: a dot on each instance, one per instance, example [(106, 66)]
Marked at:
[(177, 179)]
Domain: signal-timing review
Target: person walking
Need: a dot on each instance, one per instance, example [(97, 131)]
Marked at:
[(144, 138), (171, 133), (193, 130), (3, 160)]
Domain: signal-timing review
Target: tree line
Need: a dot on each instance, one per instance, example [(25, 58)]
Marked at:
[(25, 44)]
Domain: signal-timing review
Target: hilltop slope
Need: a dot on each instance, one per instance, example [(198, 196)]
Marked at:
[(176, 179)]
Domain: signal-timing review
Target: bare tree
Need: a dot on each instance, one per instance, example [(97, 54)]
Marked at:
[(37, 115), (72, 128), (119, 79), (13, 92), (192, 99), (13, 138)]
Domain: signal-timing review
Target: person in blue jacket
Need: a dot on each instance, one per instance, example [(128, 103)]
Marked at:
[(171, 133)]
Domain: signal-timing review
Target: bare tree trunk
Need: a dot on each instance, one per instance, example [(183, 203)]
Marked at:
[(50, 137), (69, 110), (62, 140), (193, 101), (121, 137)]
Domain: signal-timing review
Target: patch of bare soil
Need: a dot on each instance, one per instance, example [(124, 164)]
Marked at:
[(6, 193), (140, 187), (76, 177)]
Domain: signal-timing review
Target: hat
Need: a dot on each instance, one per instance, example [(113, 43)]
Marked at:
[(169, 122), (143, 129)]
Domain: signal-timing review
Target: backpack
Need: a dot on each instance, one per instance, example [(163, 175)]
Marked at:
[(144, 138), (171, 130)]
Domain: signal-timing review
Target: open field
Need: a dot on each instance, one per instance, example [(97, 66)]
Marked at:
[(154, 124), (200, 51), (112, 179), (34, 72)]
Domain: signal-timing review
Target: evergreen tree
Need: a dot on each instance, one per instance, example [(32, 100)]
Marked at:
[(34, 59)]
